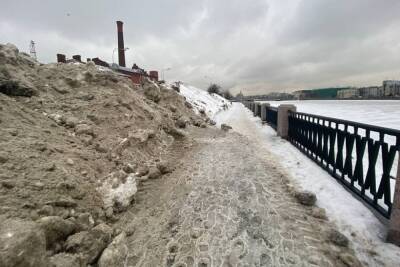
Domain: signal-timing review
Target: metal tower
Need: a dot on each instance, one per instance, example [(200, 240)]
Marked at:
[(32, 49)]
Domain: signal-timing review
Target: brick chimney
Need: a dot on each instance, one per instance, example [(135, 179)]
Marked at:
[(77, 58), (121, 48), (61, 58), (153, 75)]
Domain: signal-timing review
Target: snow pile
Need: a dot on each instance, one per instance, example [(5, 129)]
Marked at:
[(202, 100), (114, 192), (351, 216)]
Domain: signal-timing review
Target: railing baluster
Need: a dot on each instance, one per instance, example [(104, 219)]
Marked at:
[(325, 150)]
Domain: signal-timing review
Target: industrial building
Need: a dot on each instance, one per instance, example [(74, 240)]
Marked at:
[(136, 74), (321, 93)]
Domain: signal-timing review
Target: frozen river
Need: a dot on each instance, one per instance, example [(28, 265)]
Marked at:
[(385, 113)]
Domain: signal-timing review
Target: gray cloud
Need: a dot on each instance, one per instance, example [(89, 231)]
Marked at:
[(258, 45)]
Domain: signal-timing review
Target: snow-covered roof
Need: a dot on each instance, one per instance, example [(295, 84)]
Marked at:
[(118, 67)]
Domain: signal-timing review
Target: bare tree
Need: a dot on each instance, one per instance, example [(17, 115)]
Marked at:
[(227, 95), (214, 89)]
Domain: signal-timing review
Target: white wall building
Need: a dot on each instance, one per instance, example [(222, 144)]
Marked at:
[(371, 91), (348, 93), (391, 88)]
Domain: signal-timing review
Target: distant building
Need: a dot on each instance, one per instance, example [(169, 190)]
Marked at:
[(100, 62), (370, 92), (136, 74), (391, 88), (348, 93), (321, 93)]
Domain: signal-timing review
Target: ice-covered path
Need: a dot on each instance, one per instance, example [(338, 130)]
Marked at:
[(353, 219), (228, 205)]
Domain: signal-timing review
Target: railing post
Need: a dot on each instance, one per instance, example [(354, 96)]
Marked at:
[(283, 119), (258, 112), (255, 111), (264, 107), (393, 235)]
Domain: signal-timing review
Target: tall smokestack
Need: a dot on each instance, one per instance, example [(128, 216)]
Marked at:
[(121, 48)]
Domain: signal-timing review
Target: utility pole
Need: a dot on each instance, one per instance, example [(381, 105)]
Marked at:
[(163, 72), (32, 49)]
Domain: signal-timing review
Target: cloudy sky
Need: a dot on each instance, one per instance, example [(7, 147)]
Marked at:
[(257, 45)]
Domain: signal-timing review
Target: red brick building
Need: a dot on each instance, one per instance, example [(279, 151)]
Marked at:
[(136, 74)]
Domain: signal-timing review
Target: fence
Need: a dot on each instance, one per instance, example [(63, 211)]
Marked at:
[(272, 116), (349, 151), (364, 158)]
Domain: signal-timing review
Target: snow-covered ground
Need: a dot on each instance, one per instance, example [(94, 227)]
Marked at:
[(351, 216), (202, 100)]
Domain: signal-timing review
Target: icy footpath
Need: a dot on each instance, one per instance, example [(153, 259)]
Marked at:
[(354, 220), (219, 210)]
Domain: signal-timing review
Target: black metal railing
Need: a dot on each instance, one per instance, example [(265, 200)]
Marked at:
[(259, 111), (358, 155), (272, 116)]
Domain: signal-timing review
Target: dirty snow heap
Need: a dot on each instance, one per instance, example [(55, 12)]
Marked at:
[(76, 143)]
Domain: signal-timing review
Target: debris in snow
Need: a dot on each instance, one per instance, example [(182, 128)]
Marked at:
[(116, 252), (181, 123), (225, 127), (306, 198), (164, 167), (142, 171), (338, 238), (8, 184), (116, 193), (154, 173), (89, 244), (55, 229), (212, 122)]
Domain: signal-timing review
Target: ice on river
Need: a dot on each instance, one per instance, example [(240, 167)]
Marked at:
[(384, 113)]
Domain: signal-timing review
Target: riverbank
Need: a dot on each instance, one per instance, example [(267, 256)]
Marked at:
[(355, 220)]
